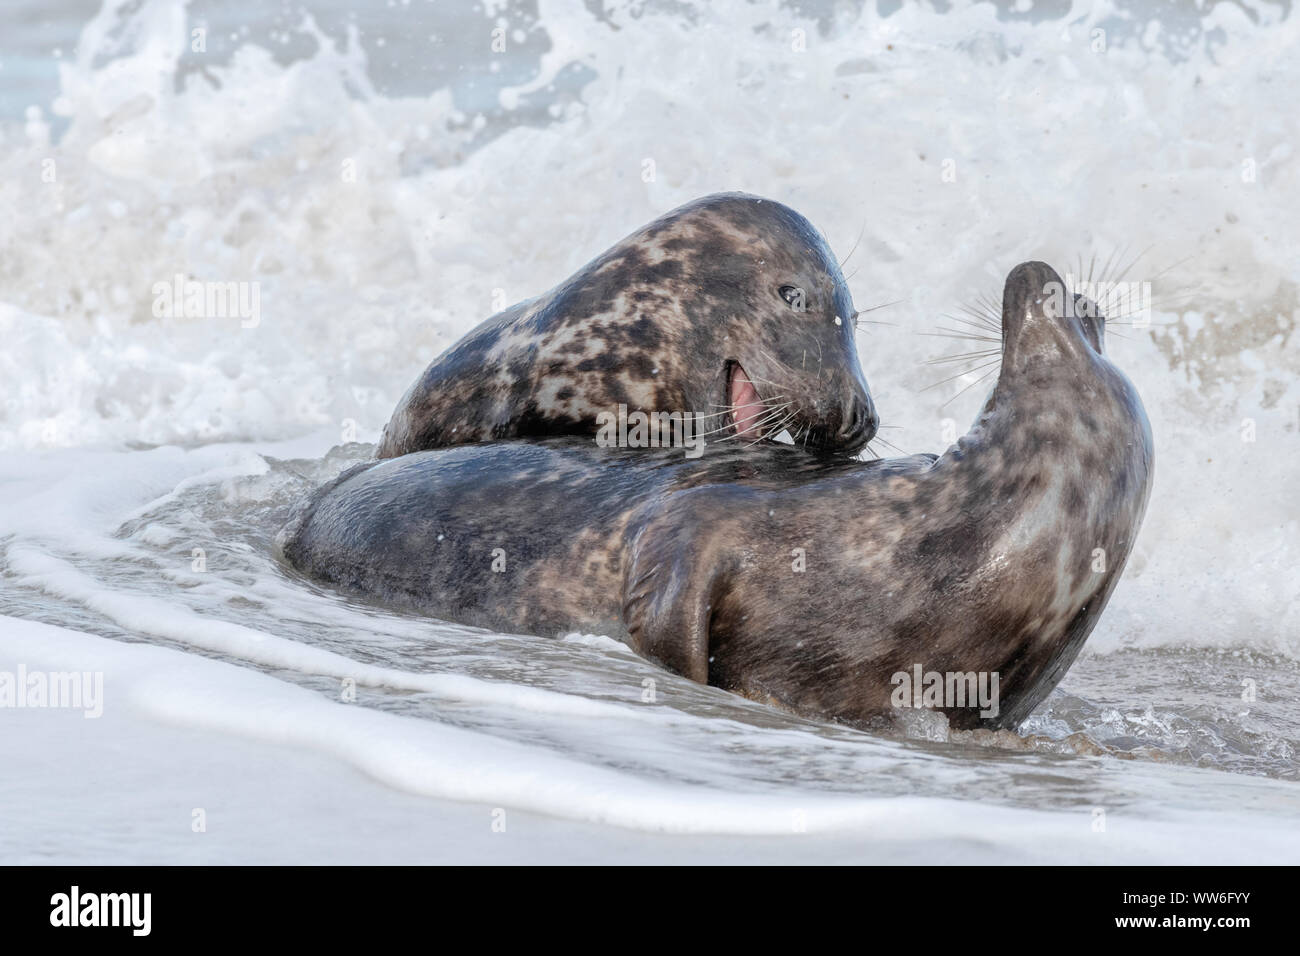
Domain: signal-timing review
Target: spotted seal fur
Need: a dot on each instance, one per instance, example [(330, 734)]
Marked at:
[(731, 307), (808, 582)]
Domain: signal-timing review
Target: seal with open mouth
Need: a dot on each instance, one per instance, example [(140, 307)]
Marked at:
[(810, 583), (731, 307)]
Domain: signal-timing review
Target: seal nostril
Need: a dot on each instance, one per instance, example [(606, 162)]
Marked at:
[(853, 420), (858, 425)]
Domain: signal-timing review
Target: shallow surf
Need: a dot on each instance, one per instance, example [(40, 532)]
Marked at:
[(148, 460)]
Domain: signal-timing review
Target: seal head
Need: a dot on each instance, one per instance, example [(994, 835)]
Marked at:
[(731, 307)]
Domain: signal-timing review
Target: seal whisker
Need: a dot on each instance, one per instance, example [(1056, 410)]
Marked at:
[(975, 364), (971, 316), (774, 398), (784, 425), (858, 322), (729, 429), (726, 410), (1108, 275), (963, 356), (764, 381), (861, 233), (761, 426), (776, 430), (980, 318), (976, 325), (1126, 320), (758, 422), (776, 414), (971, 336), (991, 371), (1164, 304), (1105, 269), (990, 312), (876, 308), (954, 334), (889, 444), (789, 418), (731, 408), (773, 359), (988, 304), (960, 374), (1172, 267), (1135, 260)]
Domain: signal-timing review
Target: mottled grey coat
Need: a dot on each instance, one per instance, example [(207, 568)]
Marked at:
[(655, 324), (996, 557)]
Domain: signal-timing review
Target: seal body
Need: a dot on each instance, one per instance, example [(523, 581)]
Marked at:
[(805, 582), (731, 307)]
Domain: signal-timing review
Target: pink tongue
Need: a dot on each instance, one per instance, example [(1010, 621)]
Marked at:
[(746, 407)]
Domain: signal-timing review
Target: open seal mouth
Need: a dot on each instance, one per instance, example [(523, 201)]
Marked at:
[(746, 408)]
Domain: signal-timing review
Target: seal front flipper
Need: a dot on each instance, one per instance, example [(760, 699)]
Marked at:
[(291, 543), (672, 583)]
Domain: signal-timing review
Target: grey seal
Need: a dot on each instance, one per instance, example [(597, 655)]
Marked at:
[(731, 307), (810, 583)]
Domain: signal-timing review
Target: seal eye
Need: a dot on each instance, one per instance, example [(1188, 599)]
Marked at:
[(795, 296)]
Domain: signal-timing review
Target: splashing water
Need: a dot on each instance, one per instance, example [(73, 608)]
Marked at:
[(386, 182)]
